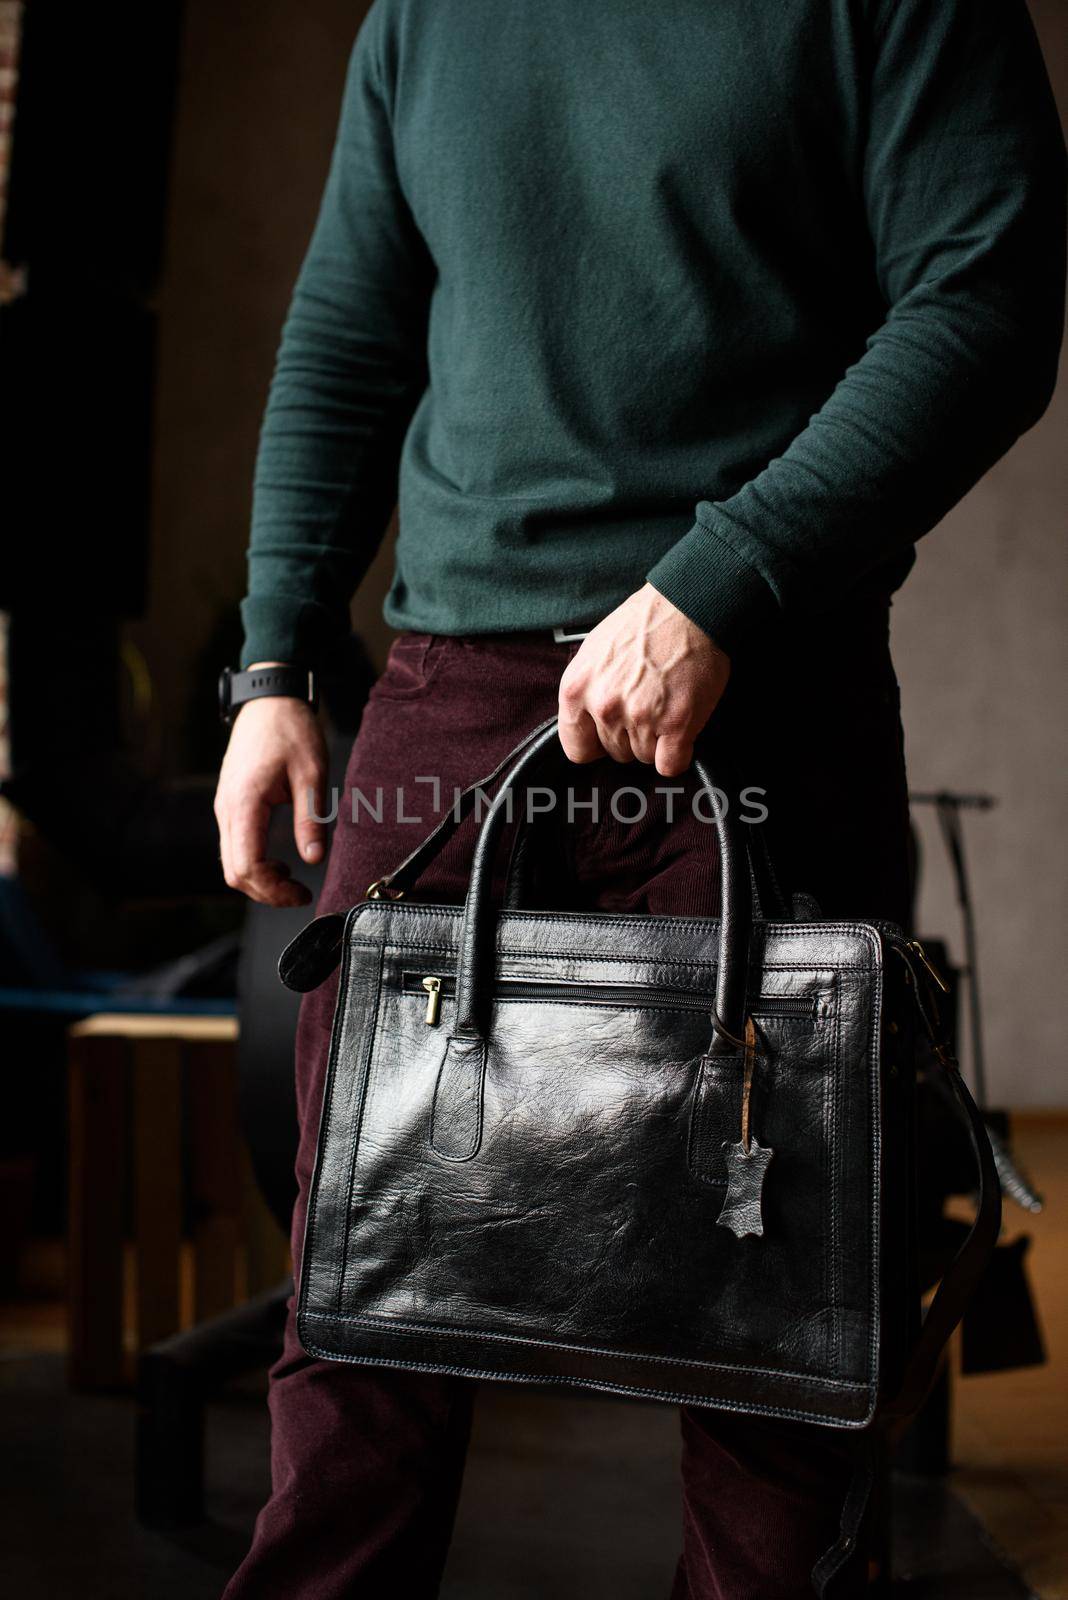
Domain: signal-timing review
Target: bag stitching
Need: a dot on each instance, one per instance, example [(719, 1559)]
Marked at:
[(875, 1324), (631, 960), (336, 1032), (414, 1330), (476, 1142), (833, 1091), (368, 1065), (744, 1408), (782, 930)]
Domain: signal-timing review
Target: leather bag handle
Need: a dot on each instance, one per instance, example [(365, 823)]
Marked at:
[(310, 957), (768, 900), (474, 981)]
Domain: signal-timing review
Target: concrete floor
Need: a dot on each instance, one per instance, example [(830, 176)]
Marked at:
[(563, 1498)]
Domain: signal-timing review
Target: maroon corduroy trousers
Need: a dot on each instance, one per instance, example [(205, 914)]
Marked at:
[(367, 1463)]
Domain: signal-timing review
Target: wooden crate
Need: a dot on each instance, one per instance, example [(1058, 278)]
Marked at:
[(166, 1225)]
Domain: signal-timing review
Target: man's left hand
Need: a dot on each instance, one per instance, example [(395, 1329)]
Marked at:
[(642, 686)]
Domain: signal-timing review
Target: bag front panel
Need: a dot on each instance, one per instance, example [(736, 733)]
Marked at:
[(572, 1230)]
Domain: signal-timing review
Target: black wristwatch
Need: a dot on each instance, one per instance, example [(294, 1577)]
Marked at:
[(235, 688)]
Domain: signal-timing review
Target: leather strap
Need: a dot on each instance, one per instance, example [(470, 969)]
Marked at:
[(967, 1267), (768, 901), (945, 1311), (542, 754), (851, 1519), (312, 955), (397, 882)]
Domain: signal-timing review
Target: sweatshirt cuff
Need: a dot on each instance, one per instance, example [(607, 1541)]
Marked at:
[(283, 628), (715, 587)]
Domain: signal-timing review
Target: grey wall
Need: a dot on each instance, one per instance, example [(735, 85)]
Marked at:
[(979, 630), (981, 649), (981, 645)]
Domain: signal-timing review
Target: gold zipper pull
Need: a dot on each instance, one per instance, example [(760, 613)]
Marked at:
[(433, 999), (914, 944)]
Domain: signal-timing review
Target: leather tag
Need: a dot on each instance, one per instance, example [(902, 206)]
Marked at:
[(746, 1170), (747, 1161)]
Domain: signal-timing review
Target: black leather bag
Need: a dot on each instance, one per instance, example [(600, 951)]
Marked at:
[(667, 1157)]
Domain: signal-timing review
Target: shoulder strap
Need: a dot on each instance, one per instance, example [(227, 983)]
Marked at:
[(311, 956), (395, 883), (945, 1311), (961, 1277)]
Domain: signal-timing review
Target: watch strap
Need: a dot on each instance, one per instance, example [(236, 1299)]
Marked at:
[(237, 688)]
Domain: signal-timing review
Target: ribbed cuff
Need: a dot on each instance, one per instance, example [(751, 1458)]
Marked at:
[(715, 587), (280, 628)]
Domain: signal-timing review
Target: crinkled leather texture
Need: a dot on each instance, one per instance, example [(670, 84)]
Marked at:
[(543, 1206)]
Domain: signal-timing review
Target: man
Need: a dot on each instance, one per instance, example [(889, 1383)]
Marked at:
[(676, 326)]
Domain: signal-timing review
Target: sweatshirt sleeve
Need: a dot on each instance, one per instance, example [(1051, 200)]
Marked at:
[(349, 372), (963, 186)]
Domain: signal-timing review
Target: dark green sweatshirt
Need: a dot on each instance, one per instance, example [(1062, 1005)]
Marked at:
[(736, 296)]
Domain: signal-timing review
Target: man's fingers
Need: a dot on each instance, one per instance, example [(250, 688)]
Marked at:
[(250, 815), (243, 823), (588, 734), (271, 884), (222, 817), (276, 752), (642, 739), (615, 742), (674, 753), (248, 868), (578, 735), (590, 726), (245, 865), (307, 786)]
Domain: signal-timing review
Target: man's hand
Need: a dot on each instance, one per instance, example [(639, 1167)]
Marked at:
[(276, 754), (642, 686)]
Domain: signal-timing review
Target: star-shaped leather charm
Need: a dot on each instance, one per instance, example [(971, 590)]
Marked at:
[(746, 1169)]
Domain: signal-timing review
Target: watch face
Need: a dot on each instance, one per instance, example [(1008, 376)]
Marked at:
[(224, 692)]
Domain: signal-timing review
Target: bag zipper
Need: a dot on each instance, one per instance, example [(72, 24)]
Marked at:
[(436, 984)]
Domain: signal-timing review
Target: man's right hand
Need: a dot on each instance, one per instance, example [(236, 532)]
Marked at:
[(276, 754)]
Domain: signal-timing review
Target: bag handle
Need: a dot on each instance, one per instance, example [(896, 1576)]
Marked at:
[(474, 980), (314, 953), (768, 900)]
